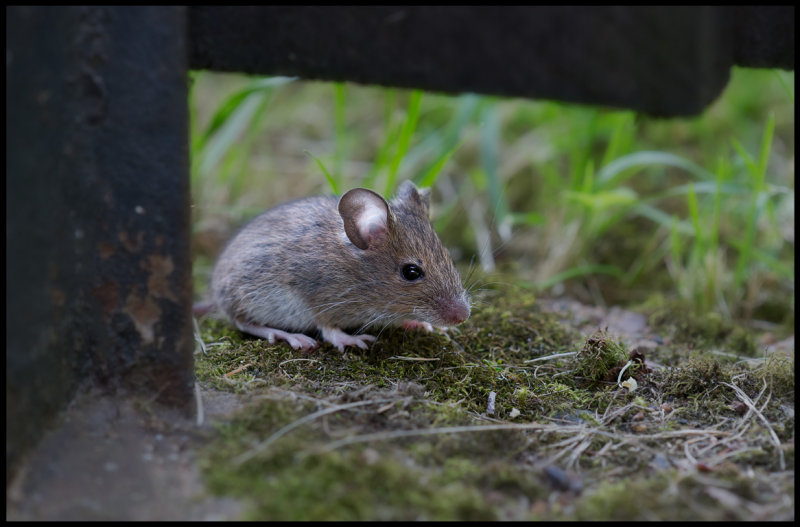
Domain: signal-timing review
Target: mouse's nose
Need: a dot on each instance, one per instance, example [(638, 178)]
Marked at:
[(454, 310)]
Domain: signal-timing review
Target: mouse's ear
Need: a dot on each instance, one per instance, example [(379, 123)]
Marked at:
[(412, 196), (366, 217)]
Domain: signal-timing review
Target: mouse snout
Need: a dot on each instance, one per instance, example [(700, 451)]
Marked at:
[(454, 310)]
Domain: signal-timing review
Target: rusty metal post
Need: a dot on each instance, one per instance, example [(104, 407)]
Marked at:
[(98, 267)]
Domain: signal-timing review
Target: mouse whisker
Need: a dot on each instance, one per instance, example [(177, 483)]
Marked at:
[(369, 322), (372, 321), (391, 321)]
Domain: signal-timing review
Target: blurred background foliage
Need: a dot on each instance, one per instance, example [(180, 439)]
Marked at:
[(607, 206)]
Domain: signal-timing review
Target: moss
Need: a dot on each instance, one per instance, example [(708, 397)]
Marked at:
[(599, 359), (342, 486), (434, 381), (701, 332), (698, 376), (443, 478), (619, 500), (486, 354), (778, 372), (665, 495), (508, 321), (777, 308)]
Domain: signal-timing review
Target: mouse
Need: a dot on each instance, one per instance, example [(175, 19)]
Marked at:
[(336, 267)]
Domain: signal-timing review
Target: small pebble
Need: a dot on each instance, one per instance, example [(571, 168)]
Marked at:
[(739, 407)]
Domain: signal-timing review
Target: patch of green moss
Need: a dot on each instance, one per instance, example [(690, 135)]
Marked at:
[(343, 486), (435, 380), (236, 362), (701, 332), (777, 308), (444, 477), (507, 320), (697, 376), (486, 354), (778, 372), (668, 495), (703, 385), (600, 359)]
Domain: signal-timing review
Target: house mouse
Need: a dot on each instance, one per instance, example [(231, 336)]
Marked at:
[(328, 264)]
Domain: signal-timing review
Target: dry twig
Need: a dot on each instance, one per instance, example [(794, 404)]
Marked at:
[(751, 405)]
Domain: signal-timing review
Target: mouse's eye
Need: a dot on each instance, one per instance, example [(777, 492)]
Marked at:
[(412, 272)]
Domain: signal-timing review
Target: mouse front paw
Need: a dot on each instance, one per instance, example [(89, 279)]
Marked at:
[(340, 339), (417, 324)]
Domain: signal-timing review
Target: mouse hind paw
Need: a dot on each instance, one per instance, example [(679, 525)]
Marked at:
[(295, 340)]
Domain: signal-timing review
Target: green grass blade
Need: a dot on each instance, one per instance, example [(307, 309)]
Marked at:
[(617, 171), (723, 173), (331, 180), (694, 215), (194, 130), (746, 157), (580, 270), (227, 135), (758, 174), (789, 90), (490, 144), (433, 172), (599, 201), (390, 134), (227, 125), (527, 218), (766, 147), (652, 254), (233, 102), (248, 142), (783, 269), (588, 177), (430, 146), (662, 218), (621, 138), (194, 125), (339, 107), (675, 244), (404, 140), (700, 187), (451, 142), (580, 147), (465, 112)]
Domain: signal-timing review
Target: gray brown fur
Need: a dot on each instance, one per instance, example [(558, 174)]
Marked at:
[(294, 268)]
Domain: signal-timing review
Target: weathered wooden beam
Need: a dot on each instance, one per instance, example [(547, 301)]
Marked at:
[(665, 61)]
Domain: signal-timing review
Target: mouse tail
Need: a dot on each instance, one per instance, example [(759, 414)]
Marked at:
[(203, 308)]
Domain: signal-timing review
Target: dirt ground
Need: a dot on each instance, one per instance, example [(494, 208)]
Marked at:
[(110, 459)]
